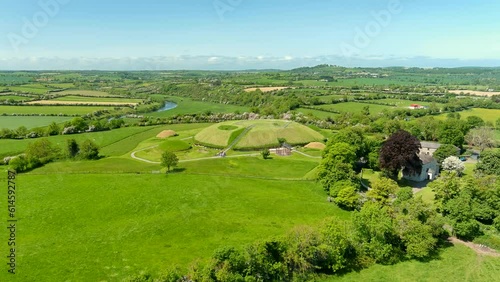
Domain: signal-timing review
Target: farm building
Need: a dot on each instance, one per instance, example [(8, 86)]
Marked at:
[(415, 106), (430, 169), (284, 150)]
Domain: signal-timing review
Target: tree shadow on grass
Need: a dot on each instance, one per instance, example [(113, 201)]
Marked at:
[(177, 170)]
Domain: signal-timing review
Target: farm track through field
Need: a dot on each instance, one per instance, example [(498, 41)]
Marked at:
[(479, 249)]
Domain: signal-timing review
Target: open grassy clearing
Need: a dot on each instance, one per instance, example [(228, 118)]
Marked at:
[(13, 122), (96, 99), (406, 103), (454, 263), (490, 115), (55, 110), (188, 106), (97, 227), (354, 107)]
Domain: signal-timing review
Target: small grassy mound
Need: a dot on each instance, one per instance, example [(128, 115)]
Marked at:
[(315, 145), (174, 146), (166, 133)]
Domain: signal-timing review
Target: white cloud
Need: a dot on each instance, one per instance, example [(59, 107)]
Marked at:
[(183, 62)]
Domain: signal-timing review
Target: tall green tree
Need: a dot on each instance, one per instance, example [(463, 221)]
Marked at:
[(89, 150), (168, 160), (72, 148), (489, 163), (401, 151), (444, 151)]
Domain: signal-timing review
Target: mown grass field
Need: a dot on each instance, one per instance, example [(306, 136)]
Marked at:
[(96, 99), (354, 107), (13, 122), (490, 115), (65, 110), (406, 103), (95, 227), (454, 263)]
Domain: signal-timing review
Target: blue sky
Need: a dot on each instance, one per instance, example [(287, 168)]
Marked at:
[(241, 34)]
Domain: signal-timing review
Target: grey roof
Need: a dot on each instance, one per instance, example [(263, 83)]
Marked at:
[(426, 159), (430, 145)]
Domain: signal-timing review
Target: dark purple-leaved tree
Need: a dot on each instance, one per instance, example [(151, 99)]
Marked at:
[(400, 151)]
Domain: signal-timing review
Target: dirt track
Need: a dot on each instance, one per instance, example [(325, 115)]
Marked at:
[(479, 249)]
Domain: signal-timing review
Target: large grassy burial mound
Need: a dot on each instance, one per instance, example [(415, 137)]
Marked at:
[(256, 134)]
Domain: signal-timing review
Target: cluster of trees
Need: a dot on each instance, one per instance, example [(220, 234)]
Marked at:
[(377, 233), (345, 154), (469, 204), (76, 125), (42, 151)]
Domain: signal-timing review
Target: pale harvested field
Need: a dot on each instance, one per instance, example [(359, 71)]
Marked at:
[(265, 89), (80, 103), (166, 133), (472, 92)]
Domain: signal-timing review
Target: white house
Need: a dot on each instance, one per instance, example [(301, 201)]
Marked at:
[(430, 169)]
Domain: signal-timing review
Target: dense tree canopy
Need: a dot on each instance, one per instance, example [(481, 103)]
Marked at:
[(400, 151)]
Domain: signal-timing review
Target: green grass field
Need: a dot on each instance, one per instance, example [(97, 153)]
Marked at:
[(103, 139), (454, 263), (315, 113), (65, 110), (406, 103), (13, 122), (188, 106), (490, 115), (96, 99), (96, 227), (14, 97), (31, 88), (354, 107)]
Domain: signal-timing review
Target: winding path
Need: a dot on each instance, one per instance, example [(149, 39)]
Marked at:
[(133, 156)]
